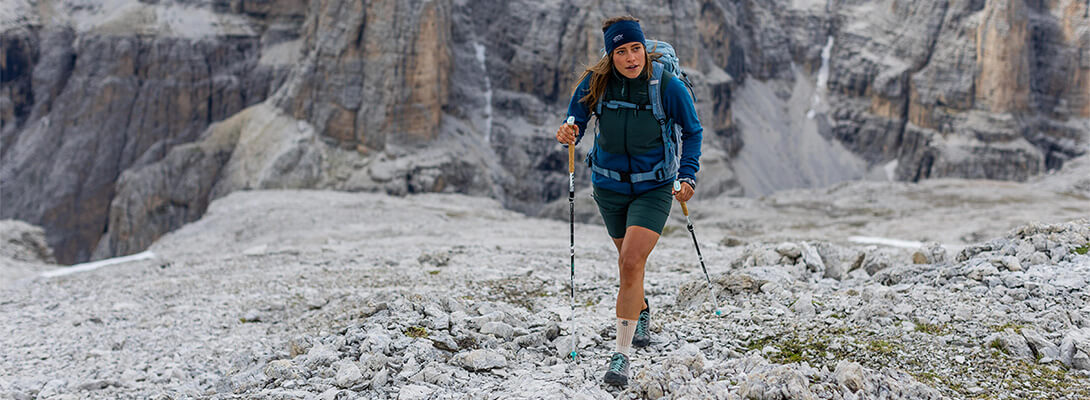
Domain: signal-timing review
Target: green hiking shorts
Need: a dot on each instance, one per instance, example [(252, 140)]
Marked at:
[(620, 211)]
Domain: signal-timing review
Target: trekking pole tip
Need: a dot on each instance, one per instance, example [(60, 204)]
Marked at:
[(718, 313), (573, 354)]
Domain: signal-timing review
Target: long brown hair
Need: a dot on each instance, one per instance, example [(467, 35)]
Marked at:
[(599, 72)]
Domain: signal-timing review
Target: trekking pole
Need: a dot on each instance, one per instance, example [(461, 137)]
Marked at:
[(571, 210), (711, 292)]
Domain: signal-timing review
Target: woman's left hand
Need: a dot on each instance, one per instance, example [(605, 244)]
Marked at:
[(685, 193)]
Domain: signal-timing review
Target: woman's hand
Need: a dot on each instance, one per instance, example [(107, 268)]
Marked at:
[(566, 133), (685, 193)]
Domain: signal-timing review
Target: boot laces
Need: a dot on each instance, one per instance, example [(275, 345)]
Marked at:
[(618, 363)]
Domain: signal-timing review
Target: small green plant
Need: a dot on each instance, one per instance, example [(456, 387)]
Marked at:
[(1016, 327), (882, 347), (416, 332), (435, 272), (997, 346), (930, 329), (1083, 250)]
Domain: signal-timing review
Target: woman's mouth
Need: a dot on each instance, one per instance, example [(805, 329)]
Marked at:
[(631, 67)]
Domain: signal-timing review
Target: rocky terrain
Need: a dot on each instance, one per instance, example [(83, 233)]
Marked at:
[(333, 295), (122, 120)]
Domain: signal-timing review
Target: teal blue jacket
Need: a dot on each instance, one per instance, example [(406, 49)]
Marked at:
[(631, 140)]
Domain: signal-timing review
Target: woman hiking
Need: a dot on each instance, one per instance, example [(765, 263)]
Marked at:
[(633, 170)]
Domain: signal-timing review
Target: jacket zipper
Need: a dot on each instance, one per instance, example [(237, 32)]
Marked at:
[(627, 154)]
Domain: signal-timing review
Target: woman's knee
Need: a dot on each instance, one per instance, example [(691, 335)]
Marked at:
[(631, 264)]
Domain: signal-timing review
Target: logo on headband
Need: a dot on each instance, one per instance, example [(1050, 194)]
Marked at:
[(618, 38)]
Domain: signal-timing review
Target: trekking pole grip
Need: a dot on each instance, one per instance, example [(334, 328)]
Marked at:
[(685, 209), (571, 147), (571, 158)]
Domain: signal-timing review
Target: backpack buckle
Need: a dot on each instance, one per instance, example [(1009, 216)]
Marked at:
[(625, 177)]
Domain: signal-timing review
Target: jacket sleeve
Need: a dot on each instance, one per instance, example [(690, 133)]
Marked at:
[(579, 110), (679, 106)]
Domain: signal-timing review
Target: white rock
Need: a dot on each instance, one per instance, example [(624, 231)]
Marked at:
[(432, 374), (348, 375), (850, 375), (789, 250), (1044, 348), (414, 392), (321, 355), (498, 329), (804, 306), (1073, 342), (281, 370), (479, 360), (812, 259), (980, 271), (52, 388), (564, 346), (380, 379), (1015, 344)]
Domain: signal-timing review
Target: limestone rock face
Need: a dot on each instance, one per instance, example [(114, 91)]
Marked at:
[(104, 111), (87, 96), (975, 89)]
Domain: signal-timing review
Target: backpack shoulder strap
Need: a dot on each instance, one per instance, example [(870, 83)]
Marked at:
[(656, 92)]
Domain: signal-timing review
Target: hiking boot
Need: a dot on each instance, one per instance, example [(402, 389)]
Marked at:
[(617, 375), (642, 337)]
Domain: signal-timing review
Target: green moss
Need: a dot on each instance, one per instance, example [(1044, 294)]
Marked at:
[(1083, 249), (435, 272), (931, 329), (883, 347), (416, 332), (811, 349), (1016, 327)]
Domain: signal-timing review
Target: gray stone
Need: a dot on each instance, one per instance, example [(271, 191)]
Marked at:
[(53, 388), (479, 360), (498, 329), (812, 259), (443, 341), (789, 250), (414, 392), (1043, 348), (1074, 343), (348, 375), (980, 271), (321, 355), (379, 380), (1015, 344), (433, 374), (850, 375), (282, 370)]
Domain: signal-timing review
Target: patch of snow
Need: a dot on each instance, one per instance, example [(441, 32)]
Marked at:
[(98, 264), (908, 244)]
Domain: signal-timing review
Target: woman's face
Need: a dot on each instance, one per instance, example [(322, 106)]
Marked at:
[(629, 59)]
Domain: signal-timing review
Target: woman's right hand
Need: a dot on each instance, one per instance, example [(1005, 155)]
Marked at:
[(566, 133)]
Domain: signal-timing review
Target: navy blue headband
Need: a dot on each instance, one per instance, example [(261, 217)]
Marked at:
[(622, 32)]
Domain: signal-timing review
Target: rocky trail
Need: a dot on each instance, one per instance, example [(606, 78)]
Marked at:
[(332, 295)]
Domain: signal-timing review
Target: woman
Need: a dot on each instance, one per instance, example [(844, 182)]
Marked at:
[(631, 189)]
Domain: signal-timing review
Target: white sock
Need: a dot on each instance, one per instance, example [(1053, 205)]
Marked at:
[(626, 328)]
